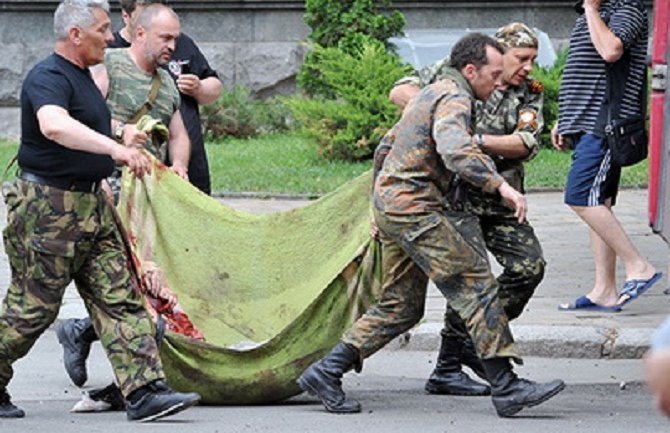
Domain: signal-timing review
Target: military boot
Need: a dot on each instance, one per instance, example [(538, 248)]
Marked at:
[(323, 379), (511, 394), (470, 359), (448, 378), (76, 337), (7, 409)]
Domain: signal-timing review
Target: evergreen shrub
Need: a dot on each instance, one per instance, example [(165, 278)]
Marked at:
[(350, 125)]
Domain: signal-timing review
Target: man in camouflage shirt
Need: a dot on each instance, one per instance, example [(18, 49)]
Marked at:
[(508, 129), (126, 78), (421, 238)]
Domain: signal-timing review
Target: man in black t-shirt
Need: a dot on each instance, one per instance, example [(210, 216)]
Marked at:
[(198, 84), (201, 85), (60, 226)]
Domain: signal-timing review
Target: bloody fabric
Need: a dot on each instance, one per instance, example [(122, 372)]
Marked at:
[(271, 293)]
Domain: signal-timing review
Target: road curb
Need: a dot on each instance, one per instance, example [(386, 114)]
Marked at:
[(268, 195), (549, 341)]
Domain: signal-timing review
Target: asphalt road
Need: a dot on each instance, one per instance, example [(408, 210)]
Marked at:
[(390, 390)]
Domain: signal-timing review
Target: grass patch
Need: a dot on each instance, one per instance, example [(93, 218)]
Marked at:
[(549, 169), (8, 150), (289, 163), (276, 163)]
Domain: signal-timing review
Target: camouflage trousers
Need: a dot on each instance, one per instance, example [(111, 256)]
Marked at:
[(515, 247), (416, 248), (53, 237)]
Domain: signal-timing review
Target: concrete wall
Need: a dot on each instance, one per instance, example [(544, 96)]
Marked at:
[(256, 43)]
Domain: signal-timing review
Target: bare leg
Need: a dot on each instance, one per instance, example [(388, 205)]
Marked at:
[(608, 241), (604, 290)]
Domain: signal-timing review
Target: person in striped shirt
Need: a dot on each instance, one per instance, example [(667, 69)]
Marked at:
[(606, 32)]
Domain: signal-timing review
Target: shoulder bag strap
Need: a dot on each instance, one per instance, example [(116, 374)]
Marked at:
[(151, 98)]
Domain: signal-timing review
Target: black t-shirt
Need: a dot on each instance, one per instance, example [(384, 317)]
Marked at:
[(187, 53), (56, 81)]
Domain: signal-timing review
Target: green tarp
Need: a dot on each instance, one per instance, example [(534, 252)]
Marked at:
[(271, 293)]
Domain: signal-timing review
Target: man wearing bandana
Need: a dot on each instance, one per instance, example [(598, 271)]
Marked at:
[(508, 129)]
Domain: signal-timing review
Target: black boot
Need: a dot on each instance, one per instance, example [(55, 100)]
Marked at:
[(511, 394), (470, 359), (156, 400), (448, 378), (323, 379), (76, 336), (7, 409)]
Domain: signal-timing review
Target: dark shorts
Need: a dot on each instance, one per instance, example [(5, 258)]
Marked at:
[(592, 179)]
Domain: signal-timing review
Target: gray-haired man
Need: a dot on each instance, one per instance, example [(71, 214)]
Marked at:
[(60, 226)]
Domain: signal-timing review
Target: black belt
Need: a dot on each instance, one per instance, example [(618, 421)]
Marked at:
[(65, 184)]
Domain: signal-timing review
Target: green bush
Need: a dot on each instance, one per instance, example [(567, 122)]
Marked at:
[(236, 113), (346, 24), (350, 126), (550, 77), (333, 20)]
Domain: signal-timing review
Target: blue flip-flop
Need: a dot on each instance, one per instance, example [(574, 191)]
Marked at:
[(635, 288), (585, 304)]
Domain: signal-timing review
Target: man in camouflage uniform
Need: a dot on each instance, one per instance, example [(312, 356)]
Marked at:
[(126, 79), (60, 226), (421, 238), (508, 129)]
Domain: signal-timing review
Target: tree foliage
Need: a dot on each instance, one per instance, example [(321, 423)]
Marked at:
[(346, 24), (351, 125)]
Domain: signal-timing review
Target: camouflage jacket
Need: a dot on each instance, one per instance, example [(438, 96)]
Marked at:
[(129, 89), (430, 144), (515, 110)]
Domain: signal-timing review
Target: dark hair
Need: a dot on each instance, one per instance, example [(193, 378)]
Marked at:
[(128, 6), (471, 49)]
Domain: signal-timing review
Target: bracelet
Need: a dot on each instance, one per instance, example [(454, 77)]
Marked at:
[(479, 140)]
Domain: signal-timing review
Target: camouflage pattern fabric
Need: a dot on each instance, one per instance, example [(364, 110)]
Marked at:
[(429, 145), (515, 110), (455, 259), (515, 246), (518, 111), (516, 35), (427, 75), (53, 237), (129, 88)]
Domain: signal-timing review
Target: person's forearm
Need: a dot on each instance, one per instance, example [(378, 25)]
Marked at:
[(606, 43), (180, 150), (209, 91), (57, 125), (401, 94), (179, 145), (508, 146)]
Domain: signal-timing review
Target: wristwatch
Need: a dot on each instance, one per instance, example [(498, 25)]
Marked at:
[(118, 130), (479, 140)]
